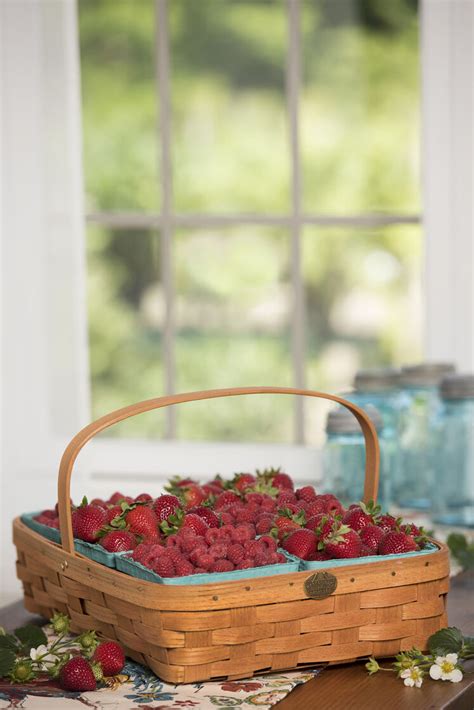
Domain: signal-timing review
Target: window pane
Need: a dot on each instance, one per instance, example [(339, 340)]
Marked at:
[(230, 147), (232, 310), (125, 325), (363, 300), (360, 106), (119, 104)]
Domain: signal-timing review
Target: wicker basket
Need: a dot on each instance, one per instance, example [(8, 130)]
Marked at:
[(240, 628)]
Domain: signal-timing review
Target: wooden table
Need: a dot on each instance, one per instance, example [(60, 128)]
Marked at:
[(350, 687)]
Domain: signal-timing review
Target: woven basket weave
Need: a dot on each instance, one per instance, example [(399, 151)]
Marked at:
[(239, 628)]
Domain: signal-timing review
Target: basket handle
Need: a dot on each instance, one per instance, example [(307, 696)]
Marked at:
[(75, 445)]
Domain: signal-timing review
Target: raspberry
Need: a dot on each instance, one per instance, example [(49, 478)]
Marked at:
[(174, 555), (200, 570), (226, 533), (268, 504), (254, 498), (173, 541), (261, 559), (281, 557), (211, 535), (218, 551), (263, 525), (226, 498), (164, 567), (192, 543), (226, 517), (252, 547), (222, 566), (244, 516), (204, 560), (268, 542), (235, 553), (242, 533), (183, 567), (316, 507), (245, 564), (306, 493), (285, 497)]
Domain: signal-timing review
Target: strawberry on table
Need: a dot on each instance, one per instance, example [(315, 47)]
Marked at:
[(77, 674), (111, 657)]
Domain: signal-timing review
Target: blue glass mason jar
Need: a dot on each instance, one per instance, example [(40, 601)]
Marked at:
[(414, 485), (380, 388), (344, 457), (454, 453)]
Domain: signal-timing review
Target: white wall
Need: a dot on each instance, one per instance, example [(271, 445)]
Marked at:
[(44, 400)]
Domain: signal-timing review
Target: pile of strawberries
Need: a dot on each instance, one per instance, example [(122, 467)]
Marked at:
[(240, 523)]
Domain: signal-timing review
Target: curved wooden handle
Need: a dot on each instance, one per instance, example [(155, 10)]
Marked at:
[(69, 456)]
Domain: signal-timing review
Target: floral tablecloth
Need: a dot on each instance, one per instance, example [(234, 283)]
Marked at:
[(137, 688)]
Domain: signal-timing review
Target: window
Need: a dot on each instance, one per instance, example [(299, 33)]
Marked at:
[(253, 206)]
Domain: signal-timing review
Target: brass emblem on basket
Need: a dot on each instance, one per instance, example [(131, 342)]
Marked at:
[(320, 585)]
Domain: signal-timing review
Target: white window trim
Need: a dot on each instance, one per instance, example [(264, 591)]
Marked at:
[(447, 53)]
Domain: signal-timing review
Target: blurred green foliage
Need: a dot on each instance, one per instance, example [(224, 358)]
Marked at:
[(359, 145)]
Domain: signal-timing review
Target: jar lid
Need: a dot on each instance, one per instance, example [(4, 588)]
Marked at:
[(457, 387), (341, 421), (376, 379), (426, 374)]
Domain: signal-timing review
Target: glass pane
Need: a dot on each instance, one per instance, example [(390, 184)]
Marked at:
[(360, 106), (230, 147), (119, 104), (126, 307), (232, 312), (363, 301)]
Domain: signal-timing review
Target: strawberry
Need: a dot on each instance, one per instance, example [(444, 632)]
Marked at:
[(195, 523), (111, 513), (394, 543), (192, 496), (285, 497), (77, 674), (357, 518), (118, 541), (321, 524), (319, 556), (111, 657), (206, 514), (143, 498), (301, 543), (142, 521), (371, 536), (116, 498), (315, 507), (88, 521), (165, 505), (333, 505), (241, 481), (342, 543), (388, 522), (306, 493)]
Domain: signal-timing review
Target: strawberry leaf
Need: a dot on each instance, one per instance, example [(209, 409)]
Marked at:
[(7, 660), (9, 642), (31, 636), (449, 640)]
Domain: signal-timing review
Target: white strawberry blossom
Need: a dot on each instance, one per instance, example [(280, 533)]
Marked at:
[(42, 656), (412, 677), (444, 668)]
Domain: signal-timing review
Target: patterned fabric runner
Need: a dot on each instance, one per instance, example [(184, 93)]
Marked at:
[(138, 688)]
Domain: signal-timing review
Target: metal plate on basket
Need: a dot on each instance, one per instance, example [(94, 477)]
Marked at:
[(320, 585)]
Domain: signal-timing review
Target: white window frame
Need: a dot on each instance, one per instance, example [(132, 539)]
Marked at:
[(168, 221)]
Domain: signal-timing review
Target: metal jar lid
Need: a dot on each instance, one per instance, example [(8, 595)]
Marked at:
[(426, 374), (376, 379), (457, 387), (341, 421)]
